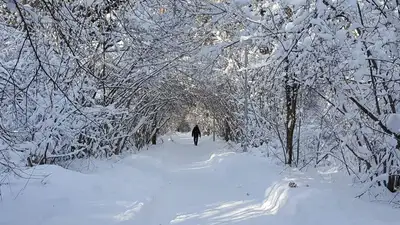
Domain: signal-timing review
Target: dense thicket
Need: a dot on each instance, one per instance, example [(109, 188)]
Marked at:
[(90, 78), (326, 84)]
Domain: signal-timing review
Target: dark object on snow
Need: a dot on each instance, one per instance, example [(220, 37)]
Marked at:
[(196, 134), (292, 184)]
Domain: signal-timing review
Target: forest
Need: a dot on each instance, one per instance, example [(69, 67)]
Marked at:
[(310, 82)]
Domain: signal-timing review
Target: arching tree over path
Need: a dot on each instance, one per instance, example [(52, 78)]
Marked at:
[(96, 78)]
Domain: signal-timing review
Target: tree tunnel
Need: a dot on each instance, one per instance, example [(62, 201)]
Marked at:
[(186, 100), (96, 78)]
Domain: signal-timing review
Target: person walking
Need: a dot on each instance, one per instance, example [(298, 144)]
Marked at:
[(196, 134)]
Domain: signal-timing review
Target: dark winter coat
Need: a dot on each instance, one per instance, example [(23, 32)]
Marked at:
[(196, 132)]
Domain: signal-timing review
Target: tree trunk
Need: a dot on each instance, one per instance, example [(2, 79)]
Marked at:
[(154, 139), (155, 131), (291, 91), (227, 130), (393, 183)]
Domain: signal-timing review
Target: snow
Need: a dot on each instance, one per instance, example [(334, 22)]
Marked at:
[(242, 2), (89, 2), (179, 183), (341, 35), (11, 6), (295, 2), (289, 27), (393, 122)]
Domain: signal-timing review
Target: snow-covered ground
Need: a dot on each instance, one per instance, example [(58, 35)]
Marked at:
[(179, 183)]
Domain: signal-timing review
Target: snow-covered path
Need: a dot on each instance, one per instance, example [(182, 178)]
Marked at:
[(179, 183)]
